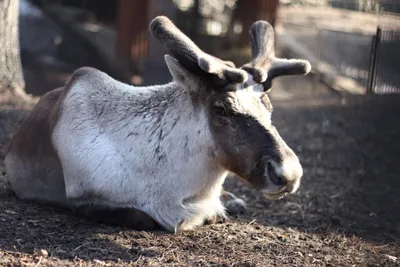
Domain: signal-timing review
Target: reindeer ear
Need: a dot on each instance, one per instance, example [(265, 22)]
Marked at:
[(180, 75)]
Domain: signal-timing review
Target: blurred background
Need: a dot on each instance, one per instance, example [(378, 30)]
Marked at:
[(353, 45)]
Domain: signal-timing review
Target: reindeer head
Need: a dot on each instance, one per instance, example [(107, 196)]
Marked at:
[(237, 106)]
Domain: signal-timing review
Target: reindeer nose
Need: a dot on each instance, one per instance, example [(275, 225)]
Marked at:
[(275, 175), (285, 176)]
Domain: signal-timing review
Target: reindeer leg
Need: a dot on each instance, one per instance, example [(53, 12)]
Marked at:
[(232, 204), (212, 220)]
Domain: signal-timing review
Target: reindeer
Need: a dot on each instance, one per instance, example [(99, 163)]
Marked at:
[(157, 156)]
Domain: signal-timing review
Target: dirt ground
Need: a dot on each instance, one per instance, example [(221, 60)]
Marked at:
[(346, 213)]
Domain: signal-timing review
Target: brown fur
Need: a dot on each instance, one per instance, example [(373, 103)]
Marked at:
[(232, 124), (39, 169), (38, 172)]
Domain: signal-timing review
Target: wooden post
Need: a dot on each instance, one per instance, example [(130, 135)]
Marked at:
[(156, 70), (132, 28), (267, 10), (124, 29), (249, 11)]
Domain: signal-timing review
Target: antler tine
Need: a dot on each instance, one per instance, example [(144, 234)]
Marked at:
[(264, 66), (179, 46), (262, 50)]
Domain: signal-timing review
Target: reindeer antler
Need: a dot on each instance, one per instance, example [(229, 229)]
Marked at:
[(264, 66), (179, 46)]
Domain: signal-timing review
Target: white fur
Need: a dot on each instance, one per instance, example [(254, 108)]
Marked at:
[(291, 170), (115, 155)]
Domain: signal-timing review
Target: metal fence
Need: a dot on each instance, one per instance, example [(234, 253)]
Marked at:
[(351, 61), (386, 74), (348, 54)]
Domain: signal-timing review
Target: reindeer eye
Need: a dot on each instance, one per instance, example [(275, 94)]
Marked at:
[(219, 108)]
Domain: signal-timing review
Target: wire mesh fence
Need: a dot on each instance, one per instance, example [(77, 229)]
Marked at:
[(304, 38), (343, 58), (347, 53), (350, 55)]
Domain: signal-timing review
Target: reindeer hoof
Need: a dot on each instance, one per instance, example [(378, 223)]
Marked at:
[(215, 219), (212, 220), (233, 204)]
